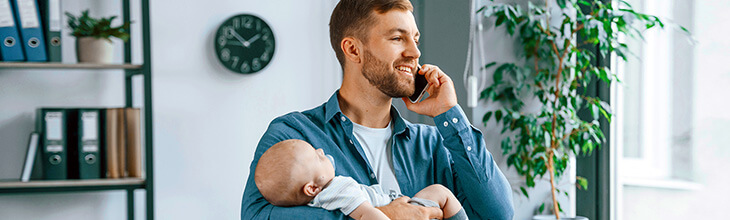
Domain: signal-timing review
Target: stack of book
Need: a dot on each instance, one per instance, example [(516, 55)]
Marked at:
[(85, 143), (30, 30)]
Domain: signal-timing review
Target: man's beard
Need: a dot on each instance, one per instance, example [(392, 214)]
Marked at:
[(380, 75)]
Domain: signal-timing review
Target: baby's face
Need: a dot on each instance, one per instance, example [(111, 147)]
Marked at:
[(318, 164)]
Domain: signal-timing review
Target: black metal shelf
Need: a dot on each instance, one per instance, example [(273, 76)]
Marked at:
[(127, 184), (75, 66), (45, 186)]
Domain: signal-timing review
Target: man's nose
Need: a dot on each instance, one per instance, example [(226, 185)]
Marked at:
[(412, 50)]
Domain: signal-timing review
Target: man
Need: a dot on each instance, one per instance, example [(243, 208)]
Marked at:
[(376, 44)]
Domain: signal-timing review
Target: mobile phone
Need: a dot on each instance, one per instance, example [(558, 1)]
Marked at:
[(421, 85)]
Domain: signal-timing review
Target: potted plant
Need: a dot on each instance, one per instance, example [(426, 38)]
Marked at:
[(553, 69), (93, 37)]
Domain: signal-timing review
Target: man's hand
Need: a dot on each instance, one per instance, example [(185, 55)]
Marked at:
[(401, 209), (442, 95)]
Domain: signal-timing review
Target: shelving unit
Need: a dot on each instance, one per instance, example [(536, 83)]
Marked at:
[(131, 70)]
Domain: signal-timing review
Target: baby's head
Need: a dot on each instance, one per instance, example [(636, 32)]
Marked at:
[(292, 172)]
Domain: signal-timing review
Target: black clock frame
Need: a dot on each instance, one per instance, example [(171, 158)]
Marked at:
[(245, 44)]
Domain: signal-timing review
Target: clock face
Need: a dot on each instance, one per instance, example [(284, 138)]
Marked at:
[(244, 44)]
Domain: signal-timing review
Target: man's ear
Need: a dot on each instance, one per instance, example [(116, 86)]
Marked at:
[(351, 47), (310, 189)]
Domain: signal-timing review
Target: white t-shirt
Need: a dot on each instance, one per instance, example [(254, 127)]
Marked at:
[(376, 143)]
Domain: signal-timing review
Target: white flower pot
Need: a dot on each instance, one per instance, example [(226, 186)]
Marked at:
[(552, 217), (94, 50)]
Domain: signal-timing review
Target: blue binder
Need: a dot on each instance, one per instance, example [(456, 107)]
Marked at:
[(10, 48), (31, 29)]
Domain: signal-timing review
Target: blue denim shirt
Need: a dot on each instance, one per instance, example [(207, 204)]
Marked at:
[(452, 153)]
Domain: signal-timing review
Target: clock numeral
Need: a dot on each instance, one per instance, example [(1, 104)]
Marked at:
[(247, 22), (266, 33), (256, 64), (225, 54), (227, 32), (245, 68), (235, 62), (265, 56), (236, 23), (222, 41), (270, 45), (258, 25)]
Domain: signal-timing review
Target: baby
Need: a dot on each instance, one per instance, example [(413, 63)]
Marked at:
[(293, 173)]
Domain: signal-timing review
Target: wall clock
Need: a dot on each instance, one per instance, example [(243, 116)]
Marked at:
[(244, 44)]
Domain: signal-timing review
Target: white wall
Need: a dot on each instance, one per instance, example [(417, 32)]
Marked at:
[(207, 120)]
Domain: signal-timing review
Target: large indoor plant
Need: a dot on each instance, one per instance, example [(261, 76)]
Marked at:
[(93, 36), (559, 42)]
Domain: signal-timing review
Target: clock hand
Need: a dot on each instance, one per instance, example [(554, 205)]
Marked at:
[(254, 38), (250, 41), (243, 41), (234, 43)]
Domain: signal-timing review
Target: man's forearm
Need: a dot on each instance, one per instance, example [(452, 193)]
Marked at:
[(366, 211), (487, 192)]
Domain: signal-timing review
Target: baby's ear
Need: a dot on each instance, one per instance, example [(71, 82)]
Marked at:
[(311, 190)]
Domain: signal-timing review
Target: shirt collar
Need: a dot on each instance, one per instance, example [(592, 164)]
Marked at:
[(400, 125), (332, 108)]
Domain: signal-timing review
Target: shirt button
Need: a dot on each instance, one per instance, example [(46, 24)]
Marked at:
[(454, 120), (468, 148), (372, 175), (342, 118), (350, 141), (446, 124)]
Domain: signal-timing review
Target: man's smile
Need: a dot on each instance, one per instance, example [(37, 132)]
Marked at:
[(405, 69)]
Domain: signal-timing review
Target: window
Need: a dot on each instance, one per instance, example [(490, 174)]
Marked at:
[(672, 125)]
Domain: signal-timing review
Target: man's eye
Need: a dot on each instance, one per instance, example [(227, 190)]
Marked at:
[(396, 38)]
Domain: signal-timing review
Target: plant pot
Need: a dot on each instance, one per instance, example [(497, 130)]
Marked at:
[(94, 50), (552, 217)]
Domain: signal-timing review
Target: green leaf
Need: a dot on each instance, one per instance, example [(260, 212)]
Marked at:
[(500, 20), (481, 9), (86, 26), (497, 77), (541, 209), (581, 183), (498, 115), (506, 145), (524, 192), (594, 111), (486, 117), (489, 65), (560, 208)]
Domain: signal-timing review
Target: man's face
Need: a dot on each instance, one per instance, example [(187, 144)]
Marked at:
[(390, 56)]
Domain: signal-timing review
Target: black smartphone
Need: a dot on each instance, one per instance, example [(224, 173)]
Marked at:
[(421, 84)]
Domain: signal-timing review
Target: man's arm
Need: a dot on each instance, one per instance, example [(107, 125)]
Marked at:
[(477, 177), (253, 204), (366, 211)]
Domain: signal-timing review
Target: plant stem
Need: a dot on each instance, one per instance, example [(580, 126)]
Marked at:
[(553, 142), (551, 165)]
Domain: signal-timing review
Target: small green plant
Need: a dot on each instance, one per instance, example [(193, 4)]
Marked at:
[(86, 26)]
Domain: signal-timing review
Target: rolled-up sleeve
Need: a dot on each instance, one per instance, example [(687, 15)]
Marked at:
[(487, 194)]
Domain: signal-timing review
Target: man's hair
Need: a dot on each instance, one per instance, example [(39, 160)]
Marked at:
[(274, 175), (352, 18)]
